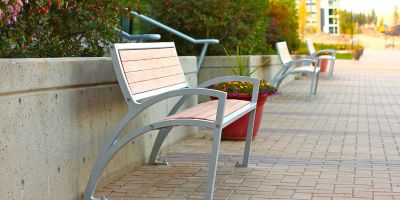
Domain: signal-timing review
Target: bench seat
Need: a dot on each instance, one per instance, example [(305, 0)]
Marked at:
[(208, 110), (305, 69)]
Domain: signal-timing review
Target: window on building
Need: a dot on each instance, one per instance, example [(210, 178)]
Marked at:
[(333, 20), (311, 8)]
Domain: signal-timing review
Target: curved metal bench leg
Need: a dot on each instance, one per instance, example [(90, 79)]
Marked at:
[(309, 98), (278, 82), (105, 157), (162, 134), (212, 168), (331, 67), (96, 171), (316, 83), (249, 137)]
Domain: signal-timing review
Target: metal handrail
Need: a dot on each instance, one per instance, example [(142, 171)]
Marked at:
[(205, 42), (138, 37)]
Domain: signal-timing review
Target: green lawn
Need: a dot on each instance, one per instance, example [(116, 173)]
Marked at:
[(344, 56)]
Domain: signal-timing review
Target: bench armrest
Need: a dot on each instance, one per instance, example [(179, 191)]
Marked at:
[(222, 79), (331, 52), (186, 92), (304, 60)]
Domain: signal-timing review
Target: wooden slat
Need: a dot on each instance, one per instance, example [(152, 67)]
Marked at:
[(208, 110), (284, 52), (139, 76), (230, 108), (154, 84), (138, 65), (195, 111), (144, 54), (159, 91), (229, 105)]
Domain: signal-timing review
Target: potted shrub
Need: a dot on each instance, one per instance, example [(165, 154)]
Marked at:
[(358, 51), (242, 91)]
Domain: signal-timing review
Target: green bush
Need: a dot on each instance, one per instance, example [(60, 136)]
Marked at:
[(234, 22), (319, 46), (283, 23), (58, 28)]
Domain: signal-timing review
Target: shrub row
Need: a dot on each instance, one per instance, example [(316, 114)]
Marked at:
[(318, 46), (61, 28), (253, 25)]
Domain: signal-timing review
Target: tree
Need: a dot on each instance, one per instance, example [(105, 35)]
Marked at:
[(346, 22), (303, 14), (283, 23), (373, 18), (381, 26), (395, 17)]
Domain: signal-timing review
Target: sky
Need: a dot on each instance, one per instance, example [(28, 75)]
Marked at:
[(383, 8)]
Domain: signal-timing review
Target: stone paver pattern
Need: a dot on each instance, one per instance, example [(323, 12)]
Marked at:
[(343, 145)]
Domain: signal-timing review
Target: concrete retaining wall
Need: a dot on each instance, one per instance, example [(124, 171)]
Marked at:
[(54, 117), (215, 66)]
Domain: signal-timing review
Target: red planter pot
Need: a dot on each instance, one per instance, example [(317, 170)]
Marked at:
[(238, 129), (324, 65)]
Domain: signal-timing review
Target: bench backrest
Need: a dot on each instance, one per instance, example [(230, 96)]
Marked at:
[(310, 46), (283, 52), (147, 69)]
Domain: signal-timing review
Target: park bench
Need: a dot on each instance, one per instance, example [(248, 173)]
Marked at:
[(327, 54), (309, 66), (149, 73)]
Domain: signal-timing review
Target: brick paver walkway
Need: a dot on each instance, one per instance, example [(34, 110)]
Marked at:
[(343, 145)]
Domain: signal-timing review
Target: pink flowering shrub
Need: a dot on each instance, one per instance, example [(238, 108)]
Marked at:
[(9, 11), (59, 28)]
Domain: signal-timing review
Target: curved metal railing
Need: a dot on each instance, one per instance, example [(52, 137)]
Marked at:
[(138, 37), (205, 42)]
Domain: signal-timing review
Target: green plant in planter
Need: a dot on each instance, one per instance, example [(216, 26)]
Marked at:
[(241, 63), (237, 88), (358, 50), (242, 68)]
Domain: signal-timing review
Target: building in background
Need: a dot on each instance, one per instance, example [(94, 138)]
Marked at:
[(311, 19), (316, 16), (329, 16)]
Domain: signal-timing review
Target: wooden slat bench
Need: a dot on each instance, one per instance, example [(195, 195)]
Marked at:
[(309, 66), (149, 73), (328, 54)]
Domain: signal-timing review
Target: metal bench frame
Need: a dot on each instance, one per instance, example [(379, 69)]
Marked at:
[(310, 66), (115, 141), (329, 54)]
